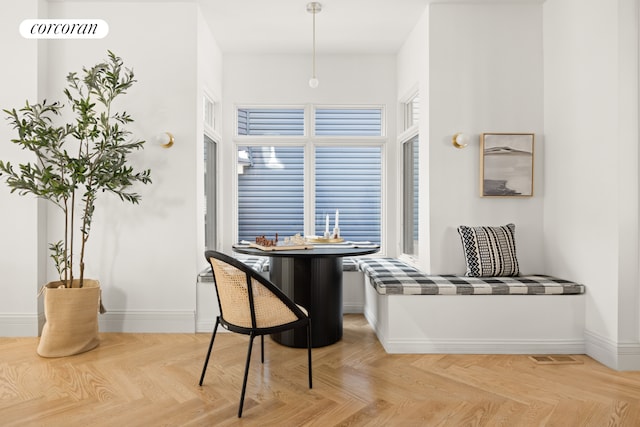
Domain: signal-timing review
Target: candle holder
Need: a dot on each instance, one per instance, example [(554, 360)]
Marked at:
[(327, 235), (336, 233)]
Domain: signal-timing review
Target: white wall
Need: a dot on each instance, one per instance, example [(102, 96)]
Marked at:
[(413, 74), (131, 246), (210, 61), (283, 79), (146, 256), (484, 75), (591, 205), (19, 226)]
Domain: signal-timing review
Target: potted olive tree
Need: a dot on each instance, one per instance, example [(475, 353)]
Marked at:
[(72, 164)]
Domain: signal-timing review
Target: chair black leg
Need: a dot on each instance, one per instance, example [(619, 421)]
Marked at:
[(262, 348), (309, 351), (206, 361), (246, 373)]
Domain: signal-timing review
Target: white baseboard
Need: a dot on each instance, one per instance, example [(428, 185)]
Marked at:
[(618, 356), (29, 325), (352, 307), (206, 326), (148, 321), (488, 346), (19, 325)]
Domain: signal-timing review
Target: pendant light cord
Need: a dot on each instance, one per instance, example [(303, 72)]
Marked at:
[(313, 8), (314, 46)]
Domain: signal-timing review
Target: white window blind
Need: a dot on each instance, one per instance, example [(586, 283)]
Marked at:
[(210, 179), (410, 194), (349, 179), (271, 121), (348, 122), (271, 187), (271, 193)]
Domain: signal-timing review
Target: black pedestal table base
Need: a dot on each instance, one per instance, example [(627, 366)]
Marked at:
[(322, 296), (313, 279)]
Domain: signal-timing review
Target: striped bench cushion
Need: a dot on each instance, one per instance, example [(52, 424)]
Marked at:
[(349, 264), (256, 262), (387, 267), (390, 276)]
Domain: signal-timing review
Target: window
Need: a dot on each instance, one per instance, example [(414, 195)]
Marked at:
[(271, 193), (410, 175), (211, 137), (348, 122), (410, 194), (209, 112), (270, 121), (349, 179), (275, 188), (210, 178), (412, 112)]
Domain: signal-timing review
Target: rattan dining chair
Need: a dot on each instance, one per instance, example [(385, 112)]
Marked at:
[(251, 305)]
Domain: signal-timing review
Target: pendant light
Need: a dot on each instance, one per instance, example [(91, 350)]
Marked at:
[(313, 8)]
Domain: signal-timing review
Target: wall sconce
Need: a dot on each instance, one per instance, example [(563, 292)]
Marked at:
[(459, 140), (165, 139)]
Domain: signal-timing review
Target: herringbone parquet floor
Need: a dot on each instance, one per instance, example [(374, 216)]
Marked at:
[(151, 380)]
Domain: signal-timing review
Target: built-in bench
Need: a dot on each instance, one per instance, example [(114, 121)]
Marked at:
[(413, 312), (471, 314)]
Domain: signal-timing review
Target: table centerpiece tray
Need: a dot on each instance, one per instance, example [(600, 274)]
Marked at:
[(323, 240), (280, 247)]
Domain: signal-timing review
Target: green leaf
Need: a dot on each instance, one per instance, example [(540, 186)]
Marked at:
[(89, 154)]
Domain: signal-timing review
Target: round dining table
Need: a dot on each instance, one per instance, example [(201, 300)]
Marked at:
[(312, 278)]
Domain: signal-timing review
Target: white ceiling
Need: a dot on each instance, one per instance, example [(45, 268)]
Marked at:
[(285, 26)]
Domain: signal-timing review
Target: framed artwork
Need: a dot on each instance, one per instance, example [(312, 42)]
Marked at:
[(506, 165)]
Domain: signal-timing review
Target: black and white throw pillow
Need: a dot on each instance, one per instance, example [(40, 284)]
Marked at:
[(490, 251)]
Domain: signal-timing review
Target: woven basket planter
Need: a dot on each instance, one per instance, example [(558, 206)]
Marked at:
[(71, 319)]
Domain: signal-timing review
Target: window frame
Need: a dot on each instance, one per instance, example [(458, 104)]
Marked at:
[(309, 142), (410, 130), (212, 236), (408, 137), (211, 132), (409, 121)]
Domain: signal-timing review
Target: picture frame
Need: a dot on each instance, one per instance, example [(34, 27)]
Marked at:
[(506, 164)]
